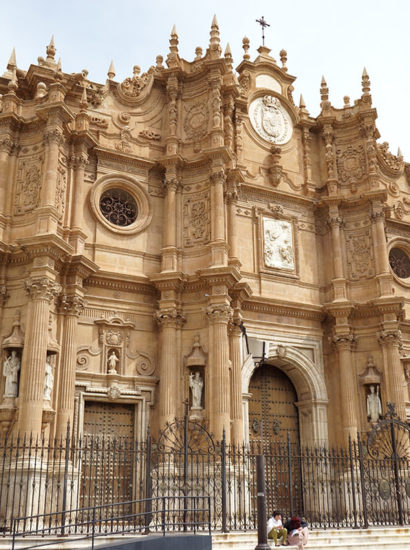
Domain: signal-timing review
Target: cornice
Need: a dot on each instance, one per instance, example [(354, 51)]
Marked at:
[(271, 194), (169, 281), (228, 275), (124, 158), (119, 281), (44, 245), (284, 309)]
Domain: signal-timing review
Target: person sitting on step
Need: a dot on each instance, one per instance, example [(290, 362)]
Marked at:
[(276, 529)]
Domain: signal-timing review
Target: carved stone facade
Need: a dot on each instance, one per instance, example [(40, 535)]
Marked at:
[(169, 232)]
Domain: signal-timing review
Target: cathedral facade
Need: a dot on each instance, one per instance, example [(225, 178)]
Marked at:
[(191, 239)]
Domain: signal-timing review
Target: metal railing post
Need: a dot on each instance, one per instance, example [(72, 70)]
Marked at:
[(93, 530), (65, 484), (223, 482), (362, 481), (353, 483), (148, 485), (396, 473), (163, 515), (290, 476), (261, 503)]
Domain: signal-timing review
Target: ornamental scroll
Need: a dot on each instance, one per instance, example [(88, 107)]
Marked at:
[(278, 244)]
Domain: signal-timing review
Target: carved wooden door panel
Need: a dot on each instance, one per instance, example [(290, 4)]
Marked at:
[(108, 453), (273, 414)]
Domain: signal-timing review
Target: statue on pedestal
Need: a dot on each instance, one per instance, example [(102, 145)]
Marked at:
[(48, 380), (11, 367), (112, 363), (196, 384), (374, 405)]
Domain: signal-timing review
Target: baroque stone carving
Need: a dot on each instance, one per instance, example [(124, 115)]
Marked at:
[(132, 87), (391, 164), (197, 221), (170, 317), (42, 288), (360, 255), (28, 187), (196, 121), (244, 82), (150, 134), (270, 119), (351, 163), (278, 244), (61, 187)]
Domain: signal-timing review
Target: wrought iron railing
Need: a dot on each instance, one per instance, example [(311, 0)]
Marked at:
[(367, 483), (147, 516)]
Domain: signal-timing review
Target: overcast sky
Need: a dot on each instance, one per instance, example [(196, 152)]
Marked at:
[(334, 38)]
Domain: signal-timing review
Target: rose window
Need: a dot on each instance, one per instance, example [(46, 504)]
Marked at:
[(400, 263), (118, 207)]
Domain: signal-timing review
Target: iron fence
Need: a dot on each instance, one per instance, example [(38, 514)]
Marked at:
[(367, 483)]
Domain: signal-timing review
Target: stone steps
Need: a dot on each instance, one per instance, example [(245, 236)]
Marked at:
[(383, 538), (394, 538)]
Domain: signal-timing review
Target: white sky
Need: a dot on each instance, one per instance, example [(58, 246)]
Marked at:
[(334, 38)]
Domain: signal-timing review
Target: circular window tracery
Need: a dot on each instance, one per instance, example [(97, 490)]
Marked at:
[(118, 207), (400, 263)]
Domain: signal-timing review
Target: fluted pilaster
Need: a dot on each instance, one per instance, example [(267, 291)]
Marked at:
[(72, 307), (236, 383), (396, 383), (170, 321), (219, 317), (42, 291)]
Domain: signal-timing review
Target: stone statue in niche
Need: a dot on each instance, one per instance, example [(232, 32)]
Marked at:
[(374, 405), (196, 384), (112, 363), (48, 380), (278, 243), (11, 367)]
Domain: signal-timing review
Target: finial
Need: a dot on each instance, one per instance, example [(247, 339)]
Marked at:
[(302, 107), (59, 65), (399, 153), (13, 84), (228, 54), (174, 31), (365, 83), (263, 24), (346, 101), (283, 57), (198, 53), (324, 90), (111, 71), (214, 47), (84, 101), (51, 50), (245, 46), (12, 64), (159, 59)]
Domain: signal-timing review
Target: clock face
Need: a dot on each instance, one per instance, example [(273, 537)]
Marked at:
[(270, 119)]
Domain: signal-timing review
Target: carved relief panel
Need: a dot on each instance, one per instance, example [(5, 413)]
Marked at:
[(351, 164), (28, 184), (360, 257), (197, 222), (278, 244), (61, 187)]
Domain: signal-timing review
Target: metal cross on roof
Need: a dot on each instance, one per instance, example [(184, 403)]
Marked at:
[(263, 24)]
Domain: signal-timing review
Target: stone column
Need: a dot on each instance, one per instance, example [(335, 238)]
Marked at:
[(170, 321), (79, 160), (396, 390), (219, 316), (169, 256), (236, 383), (339, 281), (72, 307), (53, 136), (42, 290), (219, 247), (6, 145), (348, 386), (380, 250), (232, 197)]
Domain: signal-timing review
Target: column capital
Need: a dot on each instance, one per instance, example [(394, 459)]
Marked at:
[(42, 288), (72, 304), (335, 221), (6, 144), (390, 337), (169, 317), (53, 135), (218, 177), (344, 341), (219, 313)]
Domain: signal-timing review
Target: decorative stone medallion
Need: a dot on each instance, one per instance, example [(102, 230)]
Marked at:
[(270, 119), (278, 244)]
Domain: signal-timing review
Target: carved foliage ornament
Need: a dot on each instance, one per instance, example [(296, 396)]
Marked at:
[(351, 163), (360, 255), (278, 244), (28, 187), (195, 124), (132, 87), (270, 119), (42, 289), (196, 219)]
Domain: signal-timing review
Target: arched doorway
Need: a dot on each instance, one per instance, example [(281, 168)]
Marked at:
[(272, 416), (272, 409)]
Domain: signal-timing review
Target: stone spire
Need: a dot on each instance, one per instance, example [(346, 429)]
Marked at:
[(84, 101), (111, 71), (11, 72), (365, 83), (302, 107), (399, 153), (172, 58), (51, 51), (214, 42), (12, 64), (228, 55), (283, 57)]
